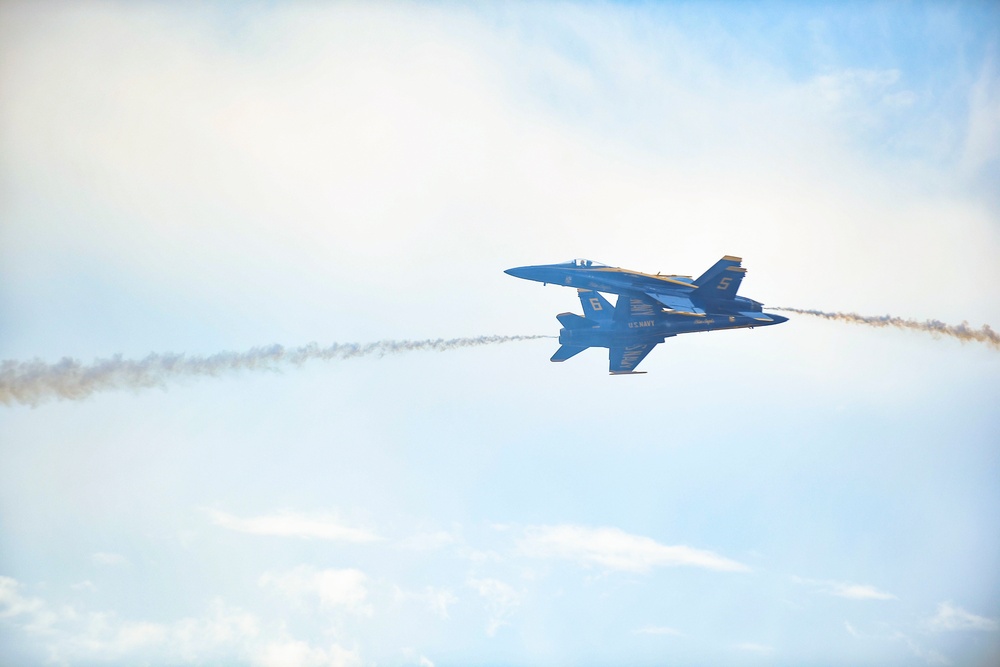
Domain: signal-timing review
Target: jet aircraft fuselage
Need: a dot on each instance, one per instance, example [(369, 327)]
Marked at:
[(650, 307)]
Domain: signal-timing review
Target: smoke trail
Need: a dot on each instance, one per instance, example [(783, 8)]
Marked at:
[(32, 382), (962, 332)]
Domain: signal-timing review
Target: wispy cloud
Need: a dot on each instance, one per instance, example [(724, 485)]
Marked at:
[(952, 617), (429, 541), (331, 588), (290, 524), (438, 601), (658, 630), (850, 84), (289, 652), (615, 549), (107, 558), (982, 140), (33, 613), (843, 589), (501, 600), (193, 639), (930, 656), (435, 600), (751, 647), (74, 635)]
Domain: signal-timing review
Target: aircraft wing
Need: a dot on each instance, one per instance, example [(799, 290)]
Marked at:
[(624, 358), (676, 303)]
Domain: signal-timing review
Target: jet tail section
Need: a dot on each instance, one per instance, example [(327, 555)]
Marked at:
[(722, 280), (595, 306), (567, 351), (573, 321), (630, 308)]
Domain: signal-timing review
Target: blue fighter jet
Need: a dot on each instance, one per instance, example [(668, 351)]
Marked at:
[(650, 308)]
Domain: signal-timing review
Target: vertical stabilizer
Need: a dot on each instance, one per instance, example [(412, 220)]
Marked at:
[(721, 281), (595, 306)]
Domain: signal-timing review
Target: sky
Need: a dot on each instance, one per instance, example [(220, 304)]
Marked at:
[(196, 178)]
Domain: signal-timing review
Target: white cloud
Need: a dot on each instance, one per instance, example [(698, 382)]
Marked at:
[(844, 589), (658, 630), (222, 625), (105, 636), (430, 541), (483, 556), (951, 617), (435, 600), (982, 140), (850, 83), (85, 585), (501, 600), (930, 656), (108, 558), (265, 158), (426, 662), (264, 132), (73, 635), (751, 647), (290, 524), (859, 592), (438, 601), (617, 550), (331, 588), (33, 613), (132, 636), (293, 653), (220, 634)]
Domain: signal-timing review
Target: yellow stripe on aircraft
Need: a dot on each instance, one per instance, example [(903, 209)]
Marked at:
[(665, 279)]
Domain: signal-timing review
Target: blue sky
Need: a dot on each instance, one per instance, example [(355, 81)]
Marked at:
[(190, 178)]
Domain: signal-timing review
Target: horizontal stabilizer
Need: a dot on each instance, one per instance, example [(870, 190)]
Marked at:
[(573, 321), (567, 351), (760, 317)]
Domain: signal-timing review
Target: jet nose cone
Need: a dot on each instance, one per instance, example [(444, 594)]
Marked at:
[(520, 272), (542, 273), (778, 319)]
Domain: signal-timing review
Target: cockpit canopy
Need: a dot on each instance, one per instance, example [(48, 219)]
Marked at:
[(585, 264)]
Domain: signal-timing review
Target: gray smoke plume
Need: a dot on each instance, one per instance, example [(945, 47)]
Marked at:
[(962, 332), (33, 382)]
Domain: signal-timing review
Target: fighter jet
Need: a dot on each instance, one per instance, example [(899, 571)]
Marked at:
[(650, 308)]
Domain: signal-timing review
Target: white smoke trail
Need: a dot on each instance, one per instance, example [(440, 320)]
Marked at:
[(33, 382), (962, 332)]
